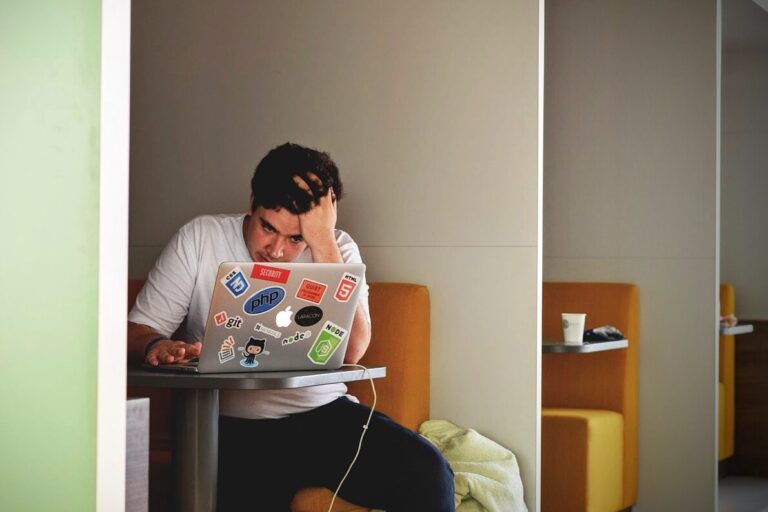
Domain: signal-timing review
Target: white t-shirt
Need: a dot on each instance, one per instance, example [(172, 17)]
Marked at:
[(177, 296)]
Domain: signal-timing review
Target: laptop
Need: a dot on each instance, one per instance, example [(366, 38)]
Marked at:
[(277, 317)]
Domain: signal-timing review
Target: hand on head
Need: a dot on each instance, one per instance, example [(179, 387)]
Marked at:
[(318, 223)]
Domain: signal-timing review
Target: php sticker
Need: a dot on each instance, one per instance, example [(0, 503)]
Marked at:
[(346, 286), (236, 282), (326, 343), (309, 315), (264, 300), (220, 318), (227, 350), (266, 330), (299, 336), (311, 291), (267, 273)]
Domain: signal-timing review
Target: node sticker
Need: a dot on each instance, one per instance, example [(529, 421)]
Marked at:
[(299, 336), (264, 300), (227, 351), (309, 315), (311, 291), (235, 282), (266, 330), (346, 286), (266, 273), (326, 343)]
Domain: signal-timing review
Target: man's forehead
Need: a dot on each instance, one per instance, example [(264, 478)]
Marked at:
[(280, 219)]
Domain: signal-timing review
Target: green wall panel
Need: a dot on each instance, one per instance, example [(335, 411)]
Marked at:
[(49, 197)]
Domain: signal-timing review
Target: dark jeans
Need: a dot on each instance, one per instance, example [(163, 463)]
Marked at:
[(262, 463)]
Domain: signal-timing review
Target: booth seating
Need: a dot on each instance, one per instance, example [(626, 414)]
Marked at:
[(726, 386), (589, 404), (400, 318)]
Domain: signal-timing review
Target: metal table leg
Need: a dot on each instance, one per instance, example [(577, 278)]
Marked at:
[(195, 449)]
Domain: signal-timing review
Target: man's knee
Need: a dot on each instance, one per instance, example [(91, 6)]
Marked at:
[(432, 479)]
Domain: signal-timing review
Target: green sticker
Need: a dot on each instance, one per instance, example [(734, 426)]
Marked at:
[(326, 343)]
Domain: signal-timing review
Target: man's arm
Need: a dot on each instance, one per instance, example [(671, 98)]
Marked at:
[(359, 337), (164, 351)]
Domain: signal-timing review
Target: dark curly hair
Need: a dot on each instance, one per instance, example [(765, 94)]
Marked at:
[(272, 183)]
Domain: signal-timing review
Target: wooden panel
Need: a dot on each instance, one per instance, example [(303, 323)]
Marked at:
[(751, 450)]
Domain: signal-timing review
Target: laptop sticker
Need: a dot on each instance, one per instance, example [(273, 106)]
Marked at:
[(299, 336), (220, 318), (254, 347), (311, 291), (264, 300), (346, 286), (227, 350), (266, 273), (266, 330), (309, 315), (326, 343), (283, 318), (235, 282), (234, 322)]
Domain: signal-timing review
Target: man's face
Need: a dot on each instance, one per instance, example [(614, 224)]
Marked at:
[(273, 235)]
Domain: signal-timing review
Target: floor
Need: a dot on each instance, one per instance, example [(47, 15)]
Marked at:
[(743, 494)]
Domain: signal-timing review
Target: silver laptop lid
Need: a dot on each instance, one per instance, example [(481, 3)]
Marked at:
[(280, 316)]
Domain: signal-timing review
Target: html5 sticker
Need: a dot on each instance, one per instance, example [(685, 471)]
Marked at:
[(311, 291), (267, 273), (346, 286), (235, 282)]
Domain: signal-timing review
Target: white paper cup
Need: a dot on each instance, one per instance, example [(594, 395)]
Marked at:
[(573, 328)]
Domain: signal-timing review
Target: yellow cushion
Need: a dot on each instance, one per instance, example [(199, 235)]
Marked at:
[(581, 461)]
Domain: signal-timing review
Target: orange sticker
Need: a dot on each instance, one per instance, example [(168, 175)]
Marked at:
[(311, 291)]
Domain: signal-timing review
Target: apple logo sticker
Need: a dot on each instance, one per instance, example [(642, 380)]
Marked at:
[(283, 318)]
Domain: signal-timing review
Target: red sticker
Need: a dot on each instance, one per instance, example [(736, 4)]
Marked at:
[(265, 273), (311, 291), (220, 318), (346, 286)]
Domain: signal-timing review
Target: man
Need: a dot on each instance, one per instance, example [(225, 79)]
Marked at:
[(274, 442)]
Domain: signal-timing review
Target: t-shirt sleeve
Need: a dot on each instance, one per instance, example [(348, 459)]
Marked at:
[(350, 253), (164, 300)]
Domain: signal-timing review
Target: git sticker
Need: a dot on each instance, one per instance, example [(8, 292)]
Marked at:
[(220, 318), (227, 350), (311, 291), (235, 282), (326, 343), (346, 286)]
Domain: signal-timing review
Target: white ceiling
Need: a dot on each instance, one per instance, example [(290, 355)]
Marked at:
[(745, 24)]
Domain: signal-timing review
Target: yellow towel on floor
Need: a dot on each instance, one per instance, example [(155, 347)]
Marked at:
[(487, 478)]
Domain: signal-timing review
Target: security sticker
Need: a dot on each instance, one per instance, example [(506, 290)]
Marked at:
[(254, 347), (346, 286), (220, 318), (259, 327), (326, 343), (311, 291), (309, 315), (235, 282), (299, 336), (264, 300), (267, 273), (227, 350)]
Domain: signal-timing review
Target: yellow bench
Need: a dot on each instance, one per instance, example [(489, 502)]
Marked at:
[(589, 404)]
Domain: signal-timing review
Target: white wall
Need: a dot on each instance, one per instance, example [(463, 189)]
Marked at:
[(431, 110), (630, 195), (744, 231)]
